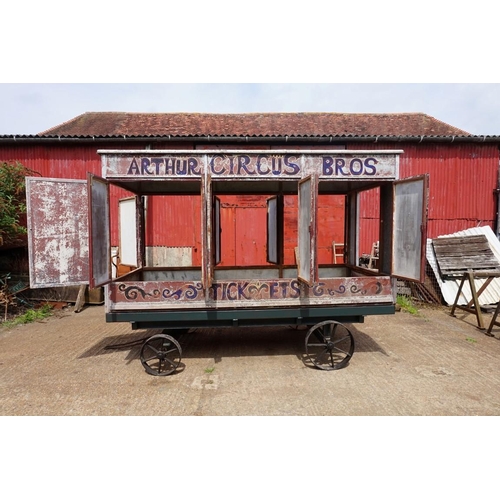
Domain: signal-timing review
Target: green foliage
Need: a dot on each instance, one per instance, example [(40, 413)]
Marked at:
[(406, 304), (30, 316), (13, 200)]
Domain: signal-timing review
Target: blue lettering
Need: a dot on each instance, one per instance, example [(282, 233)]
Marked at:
[(354, 171), (369, 168), (169, 166), (327, 165), (241, 291), (193, 167), (243, 162), (295, 169), (145, 163), (259, 166), (157, 162), (181, 170), (134, 168), (212, 165), (229, 287), (215, 287), (276, 169), (273, 290), (339, 166), (295, 286)]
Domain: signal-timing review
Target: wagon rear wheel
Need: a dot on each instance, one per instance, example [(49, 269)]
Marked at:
[(161, 355), (329, 345)]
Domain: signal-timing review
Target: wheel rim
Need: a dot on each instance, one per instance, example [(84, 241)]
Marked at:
[(161, 355), (329, 345)]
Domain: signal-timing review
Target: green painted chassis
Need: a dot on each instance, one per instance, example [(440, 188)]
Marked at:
[(210, 318)]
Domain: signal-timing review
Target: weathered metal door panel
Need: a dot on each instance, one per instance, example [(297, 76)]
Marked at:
[(217, 230), (100, 241), (307, 260), (272, 230), (128, 209), (410, 228), (57, 232)]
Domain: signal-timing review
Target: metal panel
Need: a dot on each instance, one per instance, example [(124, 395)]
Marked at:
[(100, 244), (169, 256), (127, 210), (410, 217), (272, 230), (57, 232), (307, 264), (217, 231), (464, 178)]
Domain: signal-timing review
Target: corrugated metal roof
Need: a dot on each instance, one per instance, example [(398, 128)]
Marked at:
[(111, 124), (449, 287)]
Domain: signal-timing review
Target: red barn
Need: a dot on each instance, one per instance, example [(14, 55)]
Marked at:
[(463, 171)]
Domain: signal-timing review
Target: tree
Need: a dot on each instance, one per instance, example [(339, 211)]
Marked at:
[(13, 202)]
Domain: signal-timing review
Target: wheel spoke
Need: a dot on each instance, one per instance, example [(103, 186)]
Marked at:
[(150, 346), (150, 359), (163, 348), (340, 340), (342, 351), (317, 357), (333, 348), (171, 350), (316, 345)]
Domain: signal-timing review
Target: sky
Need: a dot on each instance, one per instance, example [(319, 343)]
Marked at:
[(227, 57), (30, 108)]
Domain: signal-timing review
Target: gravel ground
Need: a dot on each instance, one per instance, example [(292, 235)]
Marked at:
[(430, 364)]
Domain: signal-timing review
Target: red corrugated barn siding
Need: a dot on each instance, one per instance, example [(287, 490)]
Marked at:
[(175, 221), (66, 162), (462, 177), (170, 219)]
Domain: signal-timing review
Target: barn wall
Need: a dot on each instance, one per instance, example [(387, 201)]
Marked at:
[(463, 177), (462, 180)]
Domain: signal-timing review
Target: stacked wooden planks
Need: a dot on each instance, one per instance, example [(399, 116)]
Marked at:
[(456, 255)]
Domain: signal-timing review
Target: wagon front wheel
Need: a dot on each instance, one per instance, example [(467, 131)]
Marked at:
[(161, 355), (329, 345)]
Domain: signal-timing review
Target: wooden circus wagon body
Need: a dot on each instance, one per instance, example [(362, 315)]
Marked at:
[(70, 243)]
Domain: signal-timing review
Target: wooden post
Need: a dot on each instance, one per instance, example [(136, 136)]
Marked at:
[(80, 300)]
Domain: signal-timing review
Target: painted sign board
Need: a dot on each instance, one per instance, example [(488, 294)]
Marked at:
[(340, 166)]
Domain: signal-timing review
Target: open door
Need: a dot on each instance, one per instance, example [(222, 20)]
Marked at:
[(307, 265), (217, 230), (58, 232), (128, 208), (99, 228), (410, 228), (272, 231)]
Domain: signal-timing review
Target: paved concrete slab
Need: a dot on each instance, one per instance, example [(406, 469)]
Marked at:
[(431, 364)]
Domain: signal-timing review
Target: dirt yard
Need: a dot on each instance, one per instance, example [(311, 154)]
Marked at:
[(426, 364)]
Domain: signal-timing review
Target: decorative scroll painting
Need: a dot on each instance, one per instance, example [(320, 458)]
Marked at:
[(248, 293)]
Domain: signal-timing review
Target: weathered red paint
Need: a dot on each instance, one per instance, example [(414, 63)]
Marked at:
[(463, 177), (458, 172)]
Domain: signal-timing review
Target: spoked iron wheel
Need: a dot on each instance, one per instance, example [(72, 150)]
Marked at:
[(329, 345), (161, 355)]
